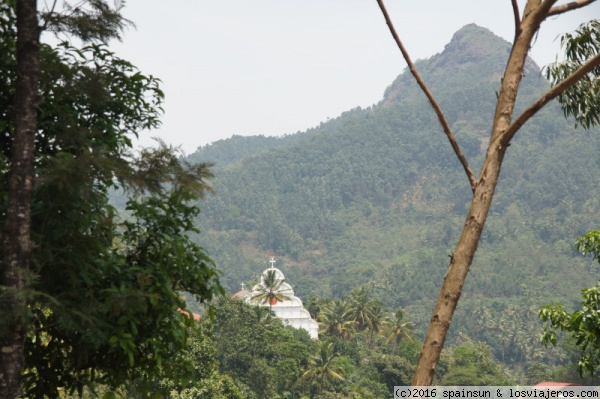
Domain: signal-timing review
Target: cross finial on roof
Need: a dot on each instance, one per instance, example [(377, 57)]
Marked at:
[(243, 286), (272, 262)]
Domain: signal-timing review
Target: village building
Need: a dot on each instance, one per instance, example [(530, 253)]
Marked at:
[(290, 311)]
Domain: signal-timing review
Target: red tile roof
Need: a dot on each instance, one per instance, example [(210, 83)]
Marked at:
[(196, 316), (552, 384), (241, 293)]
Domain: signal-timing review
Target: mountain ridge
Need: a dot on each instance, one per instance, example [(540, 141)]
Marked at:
[(377, 197)]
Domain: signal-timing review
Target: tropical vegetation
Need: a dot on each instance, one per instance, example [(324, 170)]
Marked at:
[(270, 289), (368, 199), (583, 324), (96, 300), (362, 210)]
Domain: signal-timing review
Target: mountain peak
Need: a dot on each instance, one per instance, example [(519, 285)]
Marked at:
[(473, 44), (473, 54)]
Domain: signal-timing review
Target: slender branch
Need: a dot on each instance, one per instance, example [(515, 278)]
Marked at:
[(569, 6), (47, 18), (548, 96), (432, 101), (515, 6)]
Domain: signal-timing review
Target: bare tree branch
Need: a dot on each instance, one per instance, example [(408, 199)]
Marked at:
[(515, 6), (47, 18), (548, 96), (569, 6), (432, 101)]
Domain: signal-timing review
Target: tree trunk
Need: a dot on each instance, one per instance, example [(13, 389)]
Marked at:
[(461, 259), (16, 232)]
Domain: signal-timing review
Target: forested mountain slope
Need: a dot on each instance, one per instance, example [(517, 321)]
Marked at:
[(377, 197), (223, 153)]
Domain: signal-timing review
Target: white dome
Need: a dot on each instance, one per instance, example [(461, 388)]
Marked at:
[(278, 273), (290, 311)]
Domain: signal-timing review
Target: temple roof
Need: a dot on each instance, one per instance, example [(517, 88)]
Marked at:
[(290, 311)]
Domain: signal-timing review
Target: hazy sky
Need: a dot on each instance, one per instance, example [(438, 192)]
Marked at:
[(275, 67)]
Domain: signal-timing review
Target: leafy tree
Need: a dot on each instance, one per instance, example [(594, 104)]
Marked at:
[(16, 241), (215, 387), (99, 298), (262, 315), (21, 53), (583, 324), (397, 328), (584, 66), (263, 359), (336, 318), (322, 367), (548, 191), (537, 372), (394, 370), (361, 307), (568, 368), (376, 322), (205, 380), (258, 357), (589, 244), (472, 363), (315, 304), (581, 99), (128, 316)]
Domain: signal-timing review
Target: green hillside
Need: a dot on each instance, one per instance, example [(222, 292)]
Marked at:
[(376, 197)]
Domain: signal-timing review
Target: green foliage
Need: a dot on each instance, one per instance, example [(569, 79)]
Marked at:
[(537, 372), (583, 324), (397, 328), (270, 289), (373, 198), (363, 309), (581, 99), (589, 244), (337, 319), (512, 332), (472, 363), (125, 325), (103, 294), (224, 153), (93, 20), (394, 370), (205, 380), (217, 387), (263, 358), (322, 368), (568, 371)]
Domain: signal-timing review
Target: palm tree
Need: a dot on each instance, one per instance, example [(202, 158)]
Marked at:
[(361, 307), (505, 342), (397, 329), (376, 321), (336, 319), (315, 304), (483, 316), (263, 316), (270, 289), (521, 343), (321, 367)]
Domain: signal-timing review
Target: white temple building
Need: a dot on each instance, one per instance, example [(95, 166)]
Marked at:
[(290, 311)]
